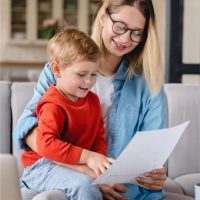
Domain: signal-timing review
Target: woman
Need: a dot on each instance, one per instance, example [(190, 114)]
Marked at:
[(129, 85)]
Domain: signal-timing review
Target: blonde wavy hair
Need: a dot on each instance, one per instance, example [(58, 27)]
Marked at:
[(71, 45), (146, 57)]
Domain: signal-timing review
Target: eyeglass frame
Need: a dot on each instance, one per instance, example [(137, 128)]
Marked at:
[(126, 29)]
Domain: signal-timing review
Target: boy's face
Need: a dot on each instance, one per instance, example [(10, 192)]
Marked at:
[(76, 80)]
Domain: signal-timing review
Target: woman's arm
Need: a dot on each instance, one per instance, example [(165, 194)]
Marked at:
[(30, 139), (28, 120)]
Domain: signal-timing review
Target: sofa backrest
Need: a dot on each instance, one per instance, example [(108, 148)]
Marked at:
[(21, 94), (183, 104), (5, 117)]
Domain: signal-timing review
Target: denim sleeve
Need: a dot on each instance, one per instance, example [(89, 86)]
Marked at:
[(156, 113), (28, 119)]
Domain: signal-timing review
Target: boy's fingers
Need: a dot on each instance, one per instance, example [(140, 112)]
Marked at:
[(97, 172), (102, 169), (107, 165), (111, 160)]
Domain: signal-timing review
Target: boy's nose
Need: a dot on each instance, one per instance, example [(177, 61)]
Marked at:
[(88, 80)]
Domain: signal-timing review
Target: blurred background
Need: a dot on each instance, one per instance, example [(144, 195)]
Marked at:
[(26, 26)]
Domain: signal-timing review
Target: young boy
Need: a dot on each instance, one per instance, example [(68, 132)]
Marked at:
[(70, 128)]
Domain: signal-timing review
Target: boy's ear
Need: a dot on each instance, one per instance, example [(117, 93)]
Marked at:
[(55, 68)]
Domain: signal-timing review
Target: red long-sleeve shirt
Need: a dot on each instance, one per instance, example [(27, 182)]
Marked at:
[(66, 127)]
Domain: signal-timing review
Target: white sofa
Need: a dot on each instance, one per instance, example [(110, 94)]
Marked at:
[(183, 166)]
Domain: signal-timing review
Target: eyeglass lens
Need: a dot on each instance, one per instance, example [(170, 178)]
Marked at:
[(120, 28)]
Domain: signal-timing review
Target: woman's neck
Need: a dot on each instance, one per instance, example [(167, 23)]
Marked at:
[(109, 65)]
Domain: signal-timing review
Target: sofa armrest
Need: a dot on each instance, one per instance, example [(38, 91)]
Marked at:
[(5, 117), (187, 183), (9, 177), (172, 186)]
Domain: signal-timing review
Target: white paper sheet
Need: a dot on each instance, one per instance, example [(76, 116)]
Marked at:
[(146, 151)]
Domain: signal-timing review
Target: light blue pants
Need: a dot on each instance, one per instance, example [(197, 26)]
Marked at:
[(45, 175)]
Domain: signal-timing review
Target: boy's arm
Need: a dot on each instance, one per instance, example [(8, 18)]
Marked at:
[(79, 168), (100, 145), (28, 120), (52, 119)]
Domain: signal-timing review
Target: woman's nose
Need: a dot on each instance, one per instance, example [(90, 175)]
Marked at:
[(125, 37)]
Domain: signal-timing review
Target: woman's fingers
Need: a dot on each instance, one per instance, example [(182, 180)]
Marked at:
[(154, 180), (155, 176), (153, 184), (109, 192)]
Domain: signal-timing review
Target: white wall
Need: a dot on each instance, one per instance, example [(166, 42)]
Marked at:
[(191, 32)]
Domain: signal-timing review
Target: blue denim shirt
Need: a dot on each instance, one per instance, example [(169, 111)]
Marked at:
[(133, 109)]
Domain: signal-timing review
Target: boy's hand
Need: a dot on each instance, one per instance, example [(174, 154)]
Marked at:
[(86, 170), (97, 162)]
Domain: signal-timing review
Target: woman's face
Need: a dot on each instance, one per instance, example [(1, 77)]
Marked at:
[(119, 45)]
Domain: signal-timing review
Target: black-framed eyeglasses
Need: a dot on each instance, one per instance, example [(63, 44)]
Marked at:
[(118, 27)]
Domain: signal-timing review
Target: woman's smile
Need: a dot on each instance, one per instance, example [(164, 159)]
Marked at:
[(118, 46)]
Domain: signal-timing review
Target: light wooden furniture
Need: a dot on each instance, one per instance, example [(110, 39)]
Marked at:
[(24, 18)]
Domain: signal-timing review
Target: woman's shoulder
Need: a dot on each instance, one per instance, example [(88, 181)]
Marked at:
[(140, 85), (47, 73)]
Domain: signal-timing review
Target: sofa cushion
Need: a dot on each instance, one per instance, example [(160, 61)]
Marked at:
[(174, 196), (27, 194), (187, 183), (183, 103), (50, 195), (22, 92), (5, 117)]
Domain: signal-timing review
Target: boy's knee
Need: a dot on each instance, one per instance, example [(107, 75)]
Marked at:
[(84, 180), (89, 192)]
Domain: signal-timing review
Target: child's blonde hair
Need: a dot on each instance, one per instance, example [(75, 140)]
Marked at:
[(146, 56), (71, 45)]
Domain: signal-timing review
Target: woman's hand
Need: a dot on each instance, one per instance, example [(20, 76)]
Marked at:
[(113, 192), (154, 180)]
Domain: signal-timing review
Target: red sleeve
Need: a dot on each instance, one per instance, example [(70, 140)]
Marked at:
[(100, 144), (49, 145)]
